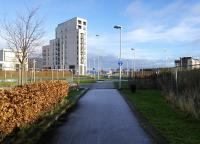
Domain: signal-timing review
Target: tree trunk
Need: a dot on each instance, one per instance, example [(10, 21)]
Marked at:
[(22, 74)]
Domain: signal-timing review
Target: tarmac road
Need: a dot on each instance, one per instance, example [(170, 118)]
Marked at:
[(102, 117)]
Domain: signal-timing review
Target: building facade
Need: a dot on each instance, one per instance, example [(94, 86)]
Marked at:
[(8, 60), (69, 48), (38, 63), (188, 62)]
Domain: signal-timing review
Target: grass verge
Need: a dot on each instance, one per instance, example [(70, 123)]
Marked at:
[(176, 126), (85, 81), (7, 84)]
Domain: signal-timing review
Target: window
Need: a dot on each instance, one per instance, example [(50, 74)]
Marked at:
[(84, 23), (79, 27), (79, 21), (17, 67)]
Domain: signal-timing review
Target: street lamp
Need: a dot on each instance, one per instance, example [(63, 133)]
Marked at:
[(127, 67), (120, 62), (133, 62), (98, 61), (94, 69)]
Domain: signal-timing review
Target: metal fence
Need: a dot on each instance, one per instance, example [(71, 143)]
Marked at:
[(12, 78)]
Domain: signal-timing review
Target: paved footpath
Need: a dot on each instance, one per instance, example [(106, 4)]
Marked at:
[(102, 117)]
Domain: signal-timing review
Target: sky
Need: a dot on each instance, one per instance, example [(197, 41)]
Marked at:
[(160, 31)]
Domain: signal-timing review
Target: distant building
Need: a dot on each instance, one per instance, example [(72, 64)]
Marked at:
[(48, 56), (8, 60), (38, 63), (188, 62), (69, 49)]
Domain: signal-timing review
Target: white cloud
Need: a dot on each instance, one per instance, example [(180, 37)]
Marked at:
[(179, 33), (175, 22)]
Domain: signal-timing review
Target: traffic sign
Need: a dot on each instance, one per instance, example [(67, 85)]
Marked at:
[(120, 63)]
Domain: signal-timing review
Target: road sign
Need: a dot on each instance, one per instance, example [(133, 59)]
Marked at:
[(120, 63)]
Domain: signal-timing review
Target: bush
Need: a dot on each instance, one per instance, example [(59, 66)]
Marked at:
[(183, 93), (24, 105), (148, 82), (132, 85)]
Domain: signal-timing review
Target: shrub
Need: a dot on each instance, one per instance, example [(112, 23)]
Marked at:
[(183, 93), (132, 85), (24, 105)]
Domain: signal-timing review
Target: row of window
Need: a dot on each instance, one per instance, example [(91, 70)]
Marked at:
[(80, 22)]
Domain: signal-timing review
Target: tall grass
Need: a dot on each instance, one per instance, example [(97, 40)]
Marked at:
[(182, 88), (183, 92)]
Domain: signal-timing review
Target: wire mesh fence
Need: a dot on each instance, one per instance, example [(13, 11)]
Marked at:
[(12, 78), (181, 86)]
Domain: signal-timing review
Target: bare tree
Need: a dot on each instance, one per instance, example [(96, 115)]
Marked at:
[(23, 35)]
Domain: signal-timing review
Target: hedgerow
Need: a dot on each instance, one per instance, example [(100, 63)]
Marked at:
[(24, 105)]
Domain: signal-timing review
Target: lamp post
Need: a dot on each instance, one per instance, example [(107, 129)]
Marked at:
[(133, 62), (127, 67), (94, 69), (89, 67), (98, 61), (120, 63)]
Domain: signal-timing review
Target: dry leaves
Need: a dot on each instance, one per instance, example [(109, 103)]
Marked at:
[(23, 105)]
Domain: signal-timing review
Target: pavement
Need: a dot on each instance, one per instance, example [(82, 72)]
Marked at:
[(102, 117)]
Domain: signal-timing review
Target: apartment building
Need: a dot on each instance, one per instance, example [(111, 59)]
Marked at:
[(69, 48), (8, 60), (47, 55), (187, 62), (38, 63)]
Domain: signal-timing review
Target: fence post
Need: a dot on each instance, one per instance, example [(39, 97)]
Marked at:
[(4, 75), (52, 74), (19, 76), (176, 77), (26, 76), (34, 70), (57, 74)]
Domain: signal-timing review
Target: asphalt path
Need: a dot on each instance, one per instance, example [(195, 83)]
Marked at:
[(102, 117)]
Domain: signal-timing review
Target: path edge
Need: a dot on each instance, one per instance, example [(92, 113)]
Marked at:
[(154, 134)]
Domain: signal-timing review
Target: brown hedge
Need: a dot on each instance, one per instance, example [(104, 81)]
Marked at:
[(24, 105)]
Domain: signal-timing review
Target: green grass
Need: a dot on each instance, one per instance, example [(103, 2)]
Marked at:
[(173, 124), (85, 81), (7, 84)]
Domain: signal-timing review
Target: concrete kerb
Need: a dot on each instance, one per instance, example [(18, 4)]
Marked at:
[(152, 131)]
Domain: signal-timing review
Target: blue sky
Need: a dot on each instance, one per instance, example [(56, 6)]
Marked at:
[(149, 26)]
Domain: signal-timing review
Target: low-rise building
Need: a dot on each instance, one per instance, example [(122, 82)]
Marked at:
[(188, 62), (8, 60)]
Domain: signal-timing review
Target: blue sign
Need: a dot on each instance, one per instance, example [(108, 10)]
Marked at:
[(120, 63)]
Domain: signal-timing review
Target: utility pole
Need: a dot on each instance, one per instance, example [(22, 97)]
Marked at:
[(120, 55), (88, 67), (127, 67), (98, 62), (98, 68), (133, 63), (94, 71)]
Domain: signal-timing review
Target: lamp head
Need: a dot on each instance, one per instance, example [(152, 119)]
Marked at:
[(117, 27)]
